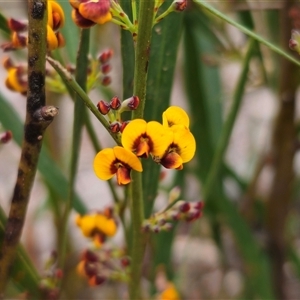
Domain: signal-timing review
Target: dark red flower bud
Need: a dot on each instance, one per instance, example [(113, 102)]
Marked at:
[(105, 56), (115, 103), (103, 107), (106, 68), (123, 125), (115, 127), (180, 5), (16, 25), (6, 137), (125, 261), (106, 80), (184, 207)]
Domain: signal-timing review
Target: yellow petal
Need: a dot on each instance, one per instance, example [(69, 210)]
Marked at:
[(185, 143), (175, 115), (104, 164), (88, 224), (14, 82), (52, 42), (132, 133), (161, 137), (128, 158), (105, 225), (55, 12)]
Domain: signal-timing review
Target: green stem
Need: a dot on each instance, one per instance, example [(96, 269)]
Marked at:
[(73, 85), (79, 116), (228, 126), (142, 51), (247, 31)]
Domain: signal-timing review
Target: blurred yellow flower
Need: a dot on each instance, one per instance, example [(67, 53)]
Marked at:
[(169, 293)]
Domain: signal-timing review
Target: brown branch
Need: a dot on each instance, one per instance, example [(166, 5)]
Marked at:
[(283, 150), (38, 117)]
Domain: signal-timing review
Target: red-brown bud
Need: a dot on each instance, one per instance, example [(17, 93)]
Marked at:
[(105, 56), (16, 25), (185, 207), (80, 21), (106, 80), (115, 103), (6, 137), (90, 256), (7, 63), (103, 107), (105, 68), (125, 261), (115, 127), (123, 125), (131, 103), (180, 5)]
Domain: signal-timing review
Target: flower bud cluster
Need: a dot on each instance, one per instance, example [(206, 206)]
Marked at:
[(103, 265), (114, 109), (51, 280), (180, 211), (105, 66)]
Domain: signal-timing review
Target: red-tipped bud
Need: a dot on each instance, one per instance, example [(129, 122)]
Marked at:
[(185, 207), (16, 25), (103, 107), (125, 262), (90, 269), (156, 229), (115, 103), (106, 80), (59, 274), (123, 125), (180, 5), (105, 56), (105, 68), (115, 127), (6, 137), (198, 205), (131, 103), (18, 40), (90, 256)]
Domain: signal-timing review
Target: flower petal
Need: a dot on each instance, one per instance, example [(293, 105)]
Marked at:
[(175, 115), (87, 224), (185, 142), (132, 132), (128, 158), (161, 137), (123, 175), (105, 225), (104, 164), (96, 11), (172, 160)]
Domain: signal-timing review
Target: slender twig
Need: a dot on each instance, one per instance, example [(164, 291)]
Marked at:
[(142, 51), (71, 82), (79, 116), (38, 117)]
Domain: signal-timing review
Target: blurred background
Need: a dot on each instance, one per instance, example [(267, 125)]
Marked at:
[(242, 99)]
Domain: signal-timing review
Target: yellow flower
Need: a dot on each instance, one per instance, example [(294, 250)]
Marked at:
[(180, 150), (97, 226), (56, 16), (117, 160), (15, 80), (144, 138), (97, 11), (170, 293), (175, 115)]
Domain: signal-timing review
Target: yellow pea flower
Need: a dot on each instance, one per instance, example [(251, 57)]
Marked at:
[(175, 115), (144, 138), (117, 160)]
